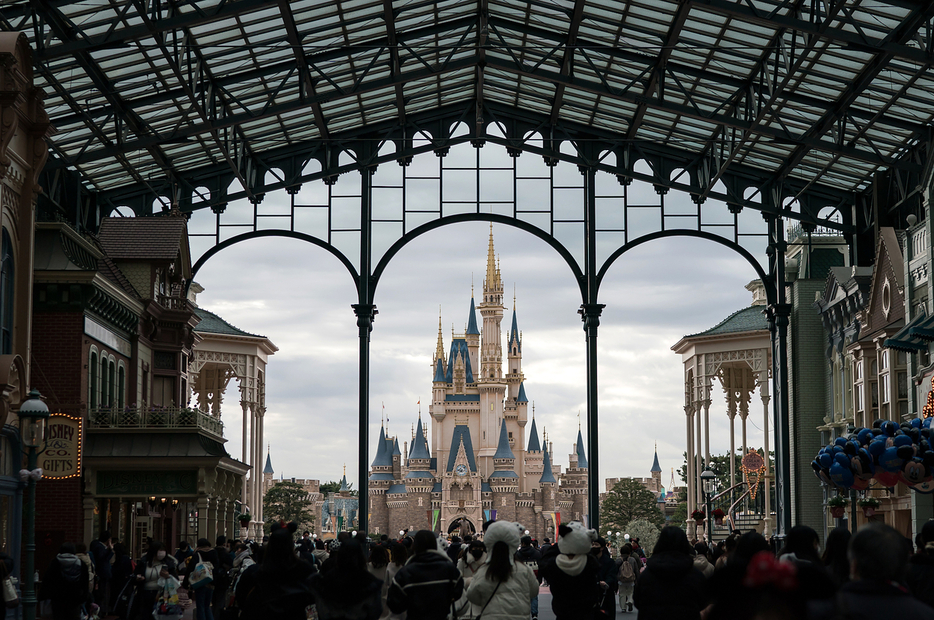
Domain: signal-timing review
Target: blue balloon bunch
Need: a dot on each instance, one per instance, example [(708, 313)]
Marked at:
[(888, 451)]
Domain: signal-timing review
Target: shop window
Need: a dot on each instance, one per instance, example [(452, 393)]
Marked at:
[(104, 385), (92, 380), (6, 294), (121, 386), (111, 383)]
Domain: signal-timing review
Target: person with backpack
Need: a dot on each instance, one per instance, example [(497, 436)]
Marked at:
[(626, 576), (66, 584), (155, 565), (204, 590)]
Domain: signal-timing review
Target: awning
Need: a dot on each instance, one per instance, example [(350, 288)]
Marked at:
[(909, 338)]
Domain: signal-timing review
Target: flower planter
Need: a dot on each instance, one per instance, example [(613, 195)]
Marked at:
[(869, 511), (837, 512), (718, 521)]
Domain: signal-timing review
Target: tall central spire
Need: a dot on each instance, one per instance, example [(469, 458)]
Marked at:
[(492, 283)]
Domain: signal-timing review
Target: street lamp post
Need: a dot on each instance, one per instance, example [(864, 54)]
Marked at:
[(709, 480), (33, 414)]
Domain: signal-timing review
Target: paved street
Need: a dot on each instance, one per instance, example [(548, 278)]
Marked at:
[(545, 613)]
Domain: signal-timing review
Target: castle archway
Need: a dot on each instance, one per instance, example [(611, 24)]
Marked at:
[(461, 526)]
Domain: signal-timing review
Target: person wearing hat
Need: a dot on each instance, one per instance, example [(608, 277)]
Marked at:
[(503, 588), (571, 572)]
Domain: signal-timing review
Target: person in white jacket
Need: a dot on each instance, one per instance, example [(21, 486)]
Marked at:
[(502, 588)]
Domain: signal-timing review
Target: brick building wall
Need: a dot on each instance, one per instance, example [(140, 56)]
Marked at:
[(58, 360), (807, 400), (59, 517)]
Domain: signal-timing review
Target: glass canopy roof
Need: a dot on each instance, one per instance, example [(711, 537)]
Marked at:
[(148, 94)]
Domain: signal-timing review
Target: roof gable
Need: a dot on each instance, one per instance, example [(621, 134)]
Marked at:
[(886, 295), (461, 435)]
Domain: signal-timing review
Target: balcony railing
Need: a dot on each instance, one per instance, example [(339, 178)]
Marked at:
[(154, 418), (173, 303)]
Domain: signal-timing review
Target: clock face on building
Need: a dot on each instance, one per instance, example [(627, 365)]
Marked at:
[(461, 470)]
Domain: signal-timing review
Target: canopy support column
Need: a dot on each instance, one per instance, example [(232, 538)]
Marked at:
[(366, 313), (590, 315)]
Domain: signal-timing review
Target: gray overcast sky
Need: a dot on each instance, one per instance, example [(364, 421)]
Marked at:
[(300, 296)]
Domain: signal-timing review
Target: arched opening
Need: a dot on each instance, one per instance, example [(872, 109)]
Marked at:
[(462, 526)]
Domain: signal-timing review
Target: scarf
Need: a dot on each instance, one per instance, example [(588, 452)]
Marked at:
[(572, 566)]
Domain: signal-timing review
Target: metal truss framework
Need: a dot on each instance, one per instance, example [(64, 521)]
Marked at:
[(812, 110)]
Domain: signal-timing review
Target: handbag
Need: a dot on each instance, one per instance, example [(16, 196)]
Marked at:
[(202, 574), (10, 597)]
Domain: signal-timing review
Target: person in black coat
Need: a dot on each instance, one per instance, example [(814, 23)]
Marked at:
[(670, 588), (101, 552), (121, 571), (66, 583), (571, 572), (606, 576), (204, 594), (279, 586), (920, 579), (348, 590), (428, 584)]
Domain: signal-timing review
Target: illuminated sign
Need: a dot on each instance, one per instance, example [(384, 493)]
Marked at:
[(60, 458)]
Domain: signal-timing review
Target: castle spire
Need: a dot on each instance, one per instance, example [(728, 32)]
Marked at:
[(492, 283), (439, 350)]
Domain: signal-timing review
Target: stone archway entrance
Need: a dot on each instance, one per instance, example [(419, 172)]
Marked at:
[(461, 526)]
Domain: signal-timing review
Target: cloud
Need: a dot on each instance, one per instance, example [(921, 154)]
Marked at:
[(299, 296)]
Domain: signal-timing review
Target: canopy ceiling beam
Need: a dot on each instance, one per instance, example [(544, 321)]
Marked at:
[(901, 34), (291, 31), (655, 85), (568, 60), (194, 103), (389, 17), (853, 39)]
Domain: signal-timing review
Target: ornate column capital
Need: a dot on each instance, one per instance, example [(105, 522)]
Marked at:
[(590, 315), (366, 314)]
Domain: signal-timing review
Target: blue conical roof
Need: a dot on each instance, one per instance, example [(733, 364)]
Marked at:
[(459, 348), (383, 458), (472, 329), (533, 439), (522, 398), (268, 468), (344, 483), (514, 332), (547, 474), (395, 447), (439, 371), (419, 444), (655, 465), (461, 433), (581, 453), (503, 451)]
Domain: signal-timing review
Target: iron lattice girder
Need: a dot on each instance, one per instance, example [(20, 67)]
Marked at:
[(736, 122), (721, 131), (662, 158)]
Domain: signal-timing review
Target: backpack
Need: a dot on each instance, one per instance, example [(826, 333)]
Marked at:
[(626, 574)]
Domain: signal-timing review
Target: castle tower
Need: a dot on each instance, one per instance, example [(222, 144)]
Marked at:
[(549, 486), (472, 335), (381, 479), (419, 481), (267, 472), (490, 382), (504, 481), (656, 473), (534, 465)]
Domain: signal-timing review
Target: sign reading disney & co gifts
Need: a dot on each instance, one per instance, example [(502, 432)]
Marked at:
[(61, 456)]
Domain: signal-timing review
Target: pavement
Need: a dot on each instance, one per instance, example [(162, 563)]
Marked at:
[(545, 613)]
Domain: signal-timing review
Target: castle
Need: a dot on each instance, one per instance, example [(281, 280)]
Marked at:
[(479, 465)]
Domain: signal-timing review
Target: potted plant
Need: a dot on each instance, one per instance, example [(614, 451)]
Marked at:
[(244, 519), (718, 516), (869, 505), (698, 515), (837, 506)]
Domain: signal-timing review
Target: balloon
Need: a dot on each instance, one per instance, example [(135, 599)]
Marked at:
[(860, 483), (887, 479)]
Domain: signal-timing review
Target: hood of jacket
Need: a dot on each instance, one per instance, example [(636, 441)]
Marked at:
[(70, 565), (670, 563)]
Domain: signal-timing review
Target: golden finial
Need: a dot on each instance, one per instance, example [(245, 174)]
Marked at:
[(533, 409), (345, 469)]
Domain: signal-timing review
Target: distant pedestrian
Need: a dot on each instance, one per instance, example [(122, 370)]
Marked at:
[(468, 564), (627, 573), (834, 558), (204, 593), (454, 549), (152, 567), (530, 556), (221, 577), (606, 576), (102, 553)]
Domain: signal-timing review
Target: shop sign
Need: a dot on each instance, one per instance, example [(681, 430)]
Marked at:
[(60, 457), (147, 483)]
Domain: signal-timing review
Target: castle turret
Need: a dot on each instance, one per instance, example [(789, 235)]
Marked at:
[(490, 381), (504, 481), (267, 473), (472, 334), (657, 472), (380, 480)]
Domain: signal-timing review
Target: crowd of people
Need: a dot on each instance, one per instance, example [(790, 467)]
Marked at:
[(497, 575)]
